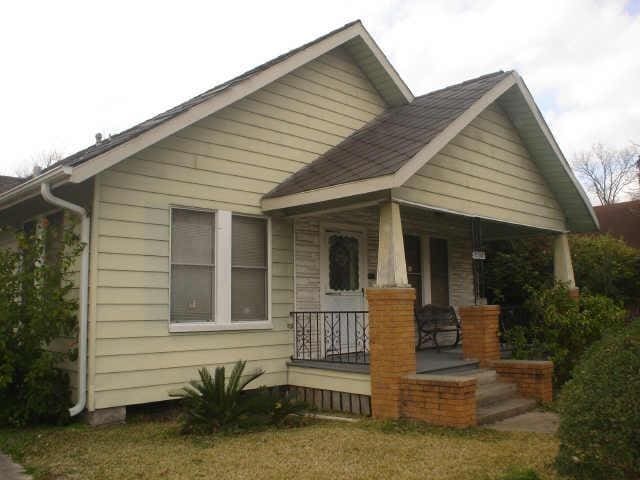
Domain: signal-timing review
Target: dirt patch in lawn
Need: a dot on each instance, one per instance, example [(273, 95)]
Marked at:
[(366, 450)]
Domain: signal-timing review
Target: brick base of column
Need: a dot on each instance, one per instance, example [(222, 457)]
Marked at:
[(480, 326), (574, 293), (534, 378), (392, 354), (439, 400)]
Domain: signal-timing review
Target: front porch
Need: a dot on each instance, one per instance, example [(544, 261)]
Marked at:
[(407, 256), (427, 361)]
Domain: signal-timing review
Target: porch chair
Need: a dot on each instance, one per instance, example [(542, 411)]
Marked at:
[(433, 321)]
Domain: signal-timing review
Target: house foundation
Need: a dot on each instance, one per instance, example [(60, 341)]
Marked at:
[(106, 416)]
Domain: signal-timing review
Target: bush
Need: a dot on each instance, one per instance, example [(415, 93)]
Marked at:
[(600, 411), (608, 266), (561, 329), (602, 265), (513, 267), (215, 403), (36, 307)]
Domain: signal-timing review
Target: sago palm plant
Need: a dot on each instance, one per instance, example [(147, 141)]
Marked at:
[(218, 403), (214, 402)]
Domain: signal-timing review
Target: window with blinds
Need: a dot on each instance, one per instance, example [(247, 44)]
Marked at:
[(219, 271), (249, 269), (192, 266)]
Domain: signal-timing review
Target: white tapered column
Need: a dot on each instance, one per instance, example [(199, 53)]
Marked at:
[(392, 266), (562, 266)]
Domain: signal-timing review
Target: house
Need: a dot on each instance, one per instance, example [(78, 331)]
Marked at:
[(621, 220), (283, 217)]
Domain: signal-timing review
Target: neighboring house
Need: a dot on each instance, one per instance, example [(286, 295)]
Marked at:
[(289, 189), (621, 220)]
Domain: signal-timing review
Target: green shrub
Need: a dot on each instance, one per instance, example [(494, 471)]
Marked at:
[(36, 307), (513, 267), (602, 265), (561, 329), (215, 403), (600, 411), (608, 266)]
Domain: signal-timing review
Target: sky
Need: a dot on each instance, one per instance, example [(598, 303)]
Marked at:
[(72, 69)]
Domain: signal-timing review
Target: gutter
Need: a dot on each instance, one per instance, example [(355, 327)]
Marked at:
[(30, 188), (85, 227)]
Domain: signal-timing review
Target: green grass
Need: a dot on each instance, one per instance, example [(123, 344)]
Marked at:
[(153, 449)]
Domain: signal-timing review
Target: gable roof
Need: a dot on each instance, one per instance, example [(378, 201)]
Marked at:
[(387, 143), (385, 153), (95, 158)]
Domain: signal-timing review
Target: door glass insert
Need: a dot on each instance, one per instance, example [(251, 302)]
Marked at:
[(343, 263)]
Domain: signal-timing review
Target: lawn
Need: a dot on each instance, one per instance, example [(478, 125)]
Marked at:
[(153, 449)]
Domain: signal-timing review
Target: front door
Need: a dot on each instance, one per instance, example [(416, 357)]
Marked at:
[(343, 279), (343, 269)]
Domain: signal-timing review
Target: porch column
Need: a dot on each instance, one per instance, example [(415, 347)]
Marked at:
[(562, 266), (391, 319), (392, 266)]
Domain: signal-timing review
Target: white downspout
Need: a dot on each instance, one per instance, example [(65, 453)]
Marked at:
[(85, 228)]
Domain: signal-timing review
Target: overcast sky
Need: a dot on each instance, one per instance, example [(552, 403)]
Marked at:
[(71, 69)]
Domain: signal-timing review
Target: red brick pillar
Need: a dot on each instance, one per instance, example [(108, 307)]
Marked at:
[(480, 326), (392, 347)]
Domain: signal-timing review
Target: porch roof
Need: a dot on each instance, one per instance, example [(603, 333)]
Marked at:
[(391, 140), (388, 151)]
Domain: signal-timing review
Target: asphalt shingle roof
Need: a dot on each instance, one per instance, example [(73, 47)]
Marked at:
[(7, 182), (126, 135), (385, 144)]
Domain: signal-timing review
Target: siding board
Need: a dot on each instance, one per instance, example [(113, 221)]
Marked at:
[(486, 171), (227, 161)]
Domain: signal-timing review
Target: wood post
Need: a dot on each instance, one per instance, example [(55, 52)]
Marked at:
[(392, 266)]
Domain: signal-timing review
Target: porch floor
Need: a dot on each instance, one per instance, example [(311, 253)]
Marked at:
[(427, 361)]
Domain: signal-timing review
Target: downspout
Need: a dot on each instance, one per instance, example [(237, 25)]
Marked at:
[(85, 228)]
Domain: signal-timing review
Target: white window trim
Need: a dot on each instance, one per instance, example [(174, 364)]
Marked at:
[(222, 280)]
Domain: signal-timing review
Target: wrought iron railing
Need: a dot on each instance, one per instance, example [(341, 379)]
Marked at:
[(338, 337)]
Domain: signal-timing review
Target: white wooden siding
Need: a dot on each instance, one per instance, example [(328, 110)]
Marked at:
[(456, 230), (486, 171), (227, 161)]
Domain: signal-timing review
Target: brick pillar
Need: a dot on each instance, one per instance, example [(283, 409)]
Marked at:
[(392, 347), (480, 324), (574, 293)]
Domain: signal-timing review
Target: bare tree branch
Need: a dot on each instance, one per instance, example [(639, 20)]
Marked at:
[(607, 172), (42, 160)]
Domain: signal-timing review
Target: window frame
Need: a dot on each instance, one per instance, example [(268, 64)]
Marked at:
[(223, 220)]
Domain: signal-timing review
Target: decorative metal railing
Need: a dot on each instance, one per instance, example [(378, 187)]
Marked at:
[(330, 336)]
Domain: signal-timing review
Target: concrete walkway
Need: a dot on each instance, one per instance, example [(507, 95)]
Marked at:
[(10, 470), (536, 422)]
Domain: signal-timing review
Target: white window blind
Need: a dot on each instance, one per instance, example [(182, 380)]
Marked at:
[(192, 266), (249, 269), (219, 271)]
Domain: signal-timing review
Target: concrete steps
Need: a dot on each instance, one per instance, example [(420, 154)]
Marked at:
[(495, 400), (504, 409)]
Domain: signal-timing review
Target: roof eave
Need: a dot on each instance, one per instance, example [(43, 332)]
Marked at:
[(31, 187), (556, 148), (235, 92)]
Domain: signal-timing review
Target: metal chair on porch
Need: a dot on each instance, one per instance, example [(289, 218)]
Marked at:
[(437, 325)]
